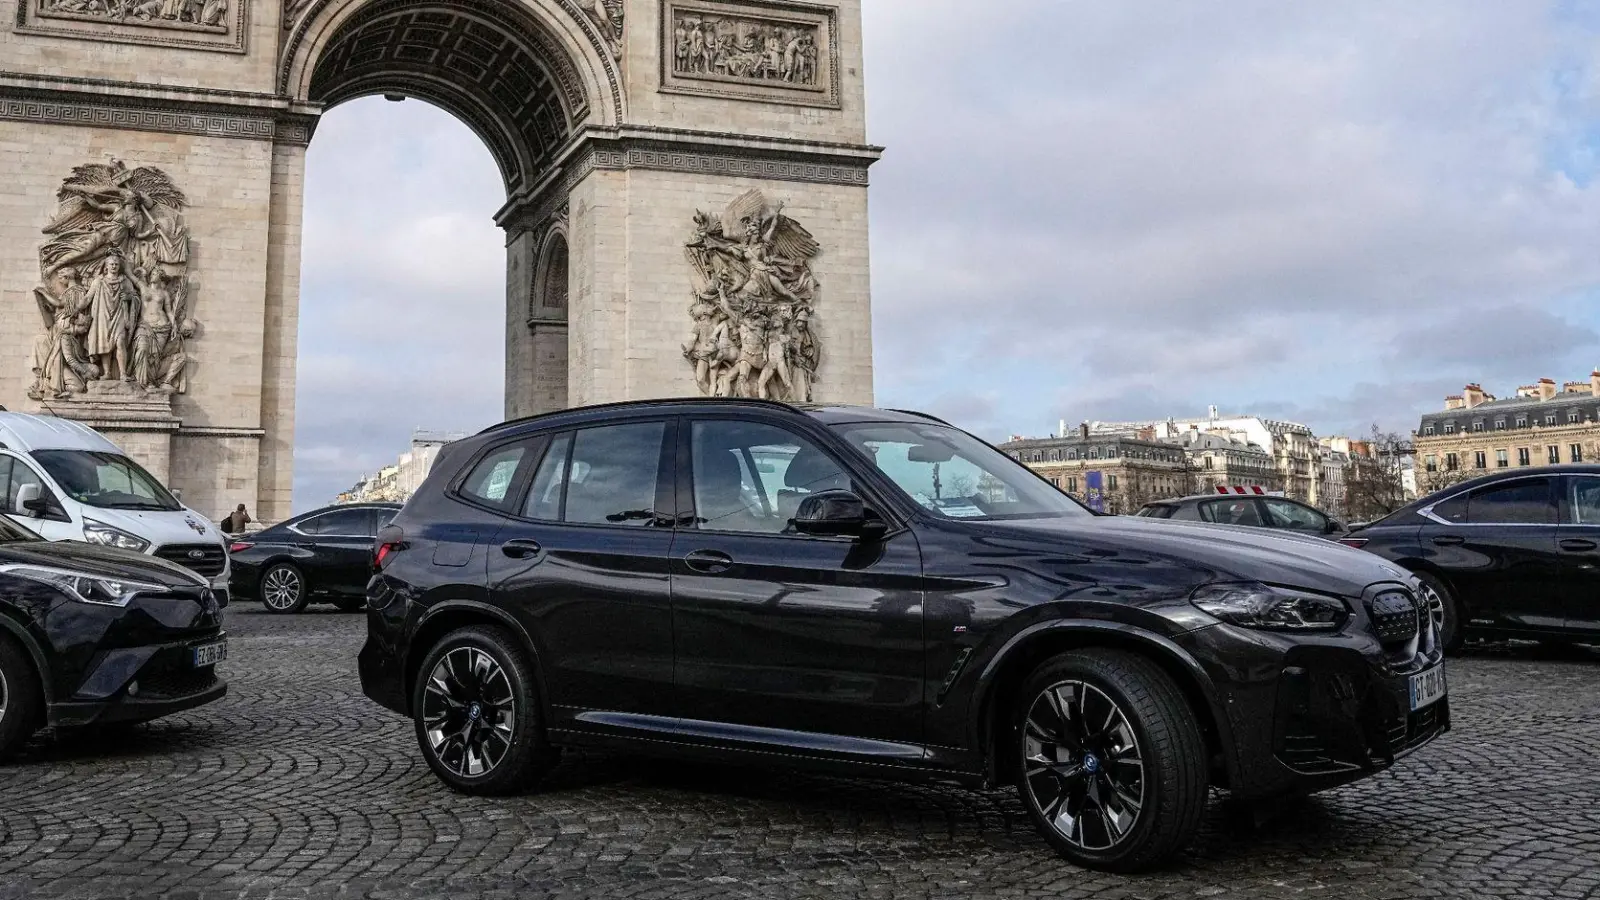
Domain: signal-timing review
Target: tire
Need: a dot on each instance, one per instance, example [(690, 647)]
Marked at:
[(1450, 631), (350, 604), (283, 589), (1155, 805), (21, 697), (468, 713)]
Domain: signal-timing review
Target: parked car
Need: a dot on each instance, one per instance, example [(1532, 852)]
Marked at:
[(877, 592), (68, 483), (94, 635), (1512, 554), (1249, 510), (324, 555)]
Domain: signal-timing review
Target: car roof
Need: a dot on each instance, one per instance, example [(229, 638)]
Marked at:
[(1195, 498), (26, 433), (333, 507), (829, 414)]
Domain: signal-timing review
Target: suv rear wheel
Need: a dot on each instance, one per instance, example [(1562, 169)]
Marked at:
[(1113, 765), (476, 711)]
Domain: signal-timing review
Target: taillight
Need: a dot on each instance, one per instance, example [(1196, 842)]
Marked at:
[(1357, 543), (239, 546), (384, 551)]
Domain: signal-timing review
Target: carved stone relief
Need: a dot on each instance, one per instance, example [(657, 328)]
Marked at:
[(114, 293), (752, 51), (754, 303), (607, 15), (204, 24)]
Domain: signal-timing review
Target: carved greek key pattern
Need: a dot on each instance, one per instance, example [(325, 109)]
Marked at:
[(169, 121)]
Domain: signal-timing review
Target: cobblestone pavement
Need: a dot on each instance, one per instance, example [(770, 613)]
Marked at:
[(297, 786)]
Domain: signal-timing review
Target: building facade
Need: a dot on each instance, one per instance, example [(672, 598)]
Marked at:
[(1477, 433), (1131, 471), (396, 483), (1292, 446)]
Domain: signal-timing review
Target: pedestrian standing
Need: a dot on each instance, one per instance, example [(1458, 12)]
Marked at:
[(236, 521)]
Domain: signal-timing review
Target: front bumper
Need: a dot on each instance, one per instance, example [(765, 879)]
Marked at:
[(1308, 714), (135, 684)]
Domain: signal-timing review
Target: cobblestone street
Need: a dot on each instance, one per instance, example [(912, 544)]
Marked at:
[(297, 786)]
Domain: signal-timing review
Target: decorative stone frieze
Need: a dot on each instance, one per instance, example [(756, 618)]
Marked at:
[(191, 24), (778, 52)]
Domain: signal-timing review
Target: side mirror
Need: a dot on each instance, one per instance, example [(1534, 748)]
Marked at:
[(1334, 527), (833, 514), (30, 501)]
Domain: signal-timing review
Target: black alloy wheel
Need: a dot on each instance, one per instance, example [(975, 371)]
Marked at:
[(19, 697), (1112, 762), (283, 589), (475, 710), (1444, 609)]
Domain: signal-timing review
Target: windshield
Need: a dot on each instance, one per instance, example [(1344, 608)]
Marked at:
[(12, 533), (954, 475), (106, 480)]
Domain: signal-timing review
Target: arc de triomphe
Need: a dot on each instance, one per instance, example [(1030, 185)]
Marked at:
[(686, 204)]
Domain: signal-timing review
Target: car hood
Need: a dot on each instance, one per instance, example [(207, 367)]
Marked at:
[(1225, 552), (161, 527), (104, 562)]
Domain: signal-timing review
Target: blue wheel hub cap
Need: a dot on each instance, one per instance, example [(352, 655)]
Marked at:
[(1091, 763), (474, 712)]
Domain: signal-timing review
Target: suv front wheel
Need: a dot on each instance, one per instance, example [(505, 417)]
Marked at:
[(475, 708), (1113, 765)]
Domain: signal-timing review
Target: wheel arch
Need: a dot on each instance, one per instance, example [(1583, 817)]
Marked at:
[(1024, 652), (450, 615), (41, 669)]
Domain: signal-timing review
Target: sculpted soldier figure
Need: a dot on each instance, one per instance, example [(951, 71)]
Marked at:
[(112, 298), (60, 367)]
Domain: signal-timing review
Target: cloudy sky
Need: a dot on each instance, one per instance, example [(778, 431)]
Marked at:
[(1334, 213)]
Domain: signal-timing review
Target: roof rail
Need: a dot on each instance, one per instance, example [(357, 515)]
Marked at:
[(624, 404), (921, 415)]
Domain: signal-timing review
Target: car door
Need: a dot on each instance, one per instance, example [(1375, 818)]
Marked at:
[(54, 524), (815, 643), (1244, 511), (1496, 547), (338, 547), (1578, 542), (582, 560)]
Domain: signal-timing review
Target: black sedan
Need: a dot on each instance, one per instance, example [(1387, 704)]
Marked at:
[(322, 555), (876, 592), (1513, 554), (93, 635), (1249, 510)]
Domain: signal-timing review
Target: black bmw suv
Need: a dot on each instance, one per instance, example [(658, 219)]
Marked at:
[(94, 635), (877, 592)]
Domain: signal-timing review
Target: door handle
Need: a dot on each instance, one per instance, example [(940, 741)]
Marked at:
[(1579, 545), (1449, 540), (521, 548), (711, 562)]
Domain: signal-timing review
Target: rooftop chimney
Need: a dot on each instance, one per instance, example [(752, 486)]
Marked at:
[(1575, 387), (1454, 401), (1473, 395), (1594, 382), (1547, 388), (1083, 430)]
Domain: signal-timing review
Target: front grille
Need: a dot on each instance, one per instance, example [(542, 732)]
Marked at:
[(1409, 731), (1395, 616), (203, 559), (175, 685)]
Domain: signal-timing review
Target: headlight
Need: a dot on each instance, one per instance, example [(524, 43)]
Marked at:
[(84, 588), (1274, 608), (101, 533)]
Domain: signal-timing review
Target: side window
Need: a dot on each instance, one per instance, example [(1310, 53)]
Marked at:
[(340, 523), (8, 497), (1453, 510), (1294, 516), (1518, 503), (544, 498), (1585, 500), (1242, 511), (613, 475), (20, 474), (751, 477), (1188, 513), (490, 480), (382, 517)]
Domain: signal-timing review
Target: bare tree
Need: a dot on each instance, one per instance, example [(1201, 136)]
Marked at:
[(1375, 482)]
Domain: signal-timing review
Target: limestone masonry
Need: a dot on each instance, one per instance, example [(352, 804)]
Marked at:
[(686, 204)]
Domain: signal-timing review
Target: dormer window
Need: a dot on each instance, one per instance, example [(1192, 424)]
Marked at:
[(1478, 425), (1427, 430), (1522, 421), (1500, 424)]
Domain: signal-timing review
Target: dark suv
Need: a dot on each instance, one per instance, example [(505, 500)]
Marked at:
[(876, 592), (94, 635)]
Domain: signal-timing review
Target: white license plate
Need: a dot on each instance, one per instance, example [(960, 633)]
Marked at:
[(1427, 687), (211, 654)]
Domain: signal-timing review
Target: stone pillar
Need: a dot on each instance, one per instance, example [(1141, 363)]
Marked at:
[(281, 334)]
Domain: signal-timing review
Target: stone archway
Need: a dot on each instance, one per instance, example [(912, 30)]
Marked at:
[(685, 203)]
